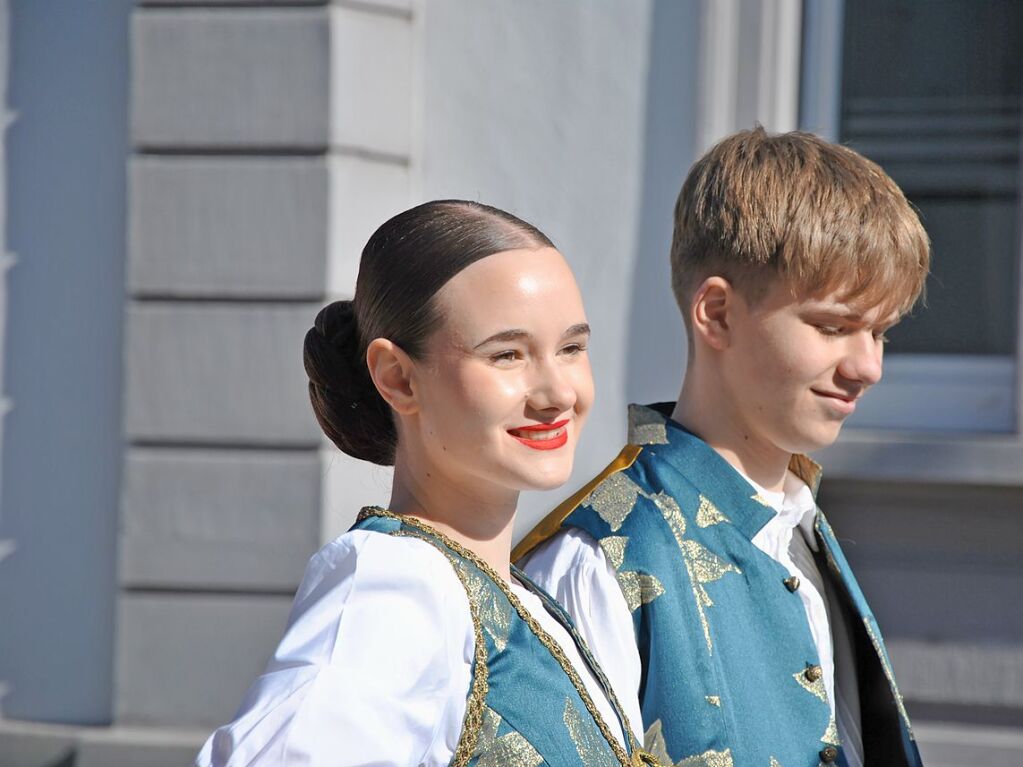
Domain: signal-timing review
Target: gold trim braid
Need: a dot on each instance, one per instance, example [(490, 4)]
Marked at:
[(545, 639), (550, 524)]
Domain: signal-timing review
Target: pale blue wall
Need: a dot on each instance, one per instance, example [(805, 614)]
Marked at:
[(62, 450), (656, 352)]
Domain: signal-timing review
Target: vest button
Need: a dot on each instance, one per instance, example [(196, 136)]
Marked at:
[(829, 754), (791, 583), (813, 673)]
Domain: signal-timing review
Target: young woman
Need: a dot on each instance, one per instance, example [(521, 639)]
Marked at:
[(461, 361)]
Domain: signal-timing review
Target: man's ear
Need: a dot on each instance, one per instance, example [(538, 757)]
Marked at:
[(391, 370), (713, 302)]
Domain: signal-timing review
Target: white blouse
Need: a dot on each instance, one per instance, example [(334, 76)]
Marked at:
[(375, 664)]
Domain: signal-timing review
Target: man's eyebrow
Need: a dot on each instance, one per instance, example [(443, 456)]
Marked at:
[(838, 310), (854, 315), (582, 329)]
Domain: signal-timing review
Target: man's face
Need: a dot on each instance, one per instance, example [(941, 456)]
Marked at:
[(795, 367)]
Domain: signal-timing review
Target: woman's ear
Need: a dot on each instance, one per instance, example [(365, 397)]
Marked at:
[(713, 302), (391, 370)]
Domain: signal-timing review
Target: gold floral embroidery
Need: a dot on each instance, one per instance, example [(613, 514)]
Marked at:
[(708, 514), (638, 588), (775, 762), (495, 614), (613, 499), (655, 744), (830, 735), (614, 548), (814, 688), (646, 427), (509, 750), (709, 759), (875, 639), (587, 739), (714, 700), (653, 741), (702, 565), (761, 500)]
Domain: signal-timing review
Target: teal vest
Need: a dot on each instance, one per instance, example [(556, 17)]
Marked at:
[(526, 705), (731, 673)]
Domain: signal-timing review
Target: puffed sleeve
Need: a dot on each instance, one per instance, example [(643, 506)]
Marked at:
[(573, 569), (373, 669)]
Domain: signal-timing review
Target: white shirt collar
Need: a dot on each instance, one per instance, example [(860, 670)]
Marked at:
[(794, 505)]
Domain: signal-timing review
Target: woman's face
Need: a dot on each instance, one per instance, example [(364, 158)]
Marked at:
[(505, 384)]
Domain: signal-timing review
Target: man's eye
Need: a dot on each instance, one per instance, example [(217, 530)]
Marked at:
[(828, 330), (573, 349)]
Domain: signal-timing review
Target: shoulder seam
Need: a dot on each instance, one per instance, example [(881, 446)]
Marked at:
[(549, 525)]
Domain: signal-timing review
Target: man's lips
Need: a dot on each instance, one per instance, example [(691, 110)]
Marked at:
[(841, 401), (542, 436)]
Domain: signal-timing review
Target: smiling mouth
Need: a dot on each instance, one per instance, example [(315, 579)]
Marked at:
[(843, 402), (543, 436)]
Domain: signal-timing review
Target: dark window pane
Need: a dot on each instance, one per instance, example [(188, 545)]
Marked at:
[(931, 91)]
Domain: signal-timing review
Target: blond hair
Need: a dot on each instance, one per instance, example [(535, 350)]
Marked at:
[(819, 215)]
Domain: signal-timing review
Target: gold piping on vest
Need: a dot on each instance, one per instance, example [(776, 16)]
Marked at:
[(537, 630)]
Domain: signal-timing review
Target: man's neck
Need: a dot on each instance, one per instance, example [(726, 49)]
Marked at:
[(707, 412)]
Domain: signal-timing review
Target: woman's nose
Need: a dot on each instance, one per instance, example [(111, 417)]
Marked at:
[(551, 389)]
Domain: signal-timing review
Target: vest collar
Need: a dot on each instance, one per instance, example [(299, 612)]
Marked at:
[(651, 427)]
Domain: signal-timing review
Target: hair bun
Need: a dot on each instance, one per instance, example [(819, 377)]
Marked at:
[(346, 403)]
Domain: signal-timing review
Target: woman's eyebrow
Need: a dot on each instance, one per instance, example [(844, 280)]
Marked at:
[(518, 334), (514, 334)]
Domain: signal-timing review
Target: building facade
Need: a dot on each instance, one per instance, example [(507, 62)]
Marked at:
[(189, 180)]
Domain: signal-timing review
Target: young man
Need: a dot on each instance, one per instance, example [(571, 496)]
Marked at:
[(697, 565)]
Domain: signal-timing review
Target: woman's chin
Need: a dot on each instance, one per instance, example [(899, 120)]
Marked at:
[(550, 478)]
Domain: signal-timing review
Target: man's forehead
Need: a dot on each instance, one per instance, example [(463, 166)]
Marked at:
[(855, 308)]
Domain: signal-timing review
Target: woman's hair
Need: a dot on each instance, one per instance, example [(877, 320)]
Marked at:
[(403, 266)]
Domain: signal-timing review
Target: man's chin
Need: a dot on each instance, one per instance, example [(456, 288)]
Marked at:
[(807, 441), (823, 439)]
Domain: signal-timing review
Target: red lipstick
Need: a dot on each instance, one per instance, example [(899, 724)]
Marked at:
[(542, 436)]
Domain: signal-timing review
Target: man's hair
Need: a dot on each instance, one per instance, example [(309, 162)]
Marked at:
[(819, 215)]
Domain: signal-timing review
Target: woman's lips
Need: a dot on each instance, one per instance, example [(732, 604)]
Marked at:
[(542, 436)]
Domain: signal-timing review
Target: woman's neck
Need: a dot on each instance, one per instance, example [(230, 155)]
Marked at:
[(479, 521)]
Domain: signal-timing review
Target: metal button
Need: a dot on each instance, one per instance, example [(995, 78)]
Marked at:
[(813, 673), (791, 583), (829, 754)]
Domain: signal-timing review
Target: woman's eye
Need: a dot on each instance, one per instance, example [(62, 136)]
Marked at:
[(828, 330), (573, 349), (505, 356)]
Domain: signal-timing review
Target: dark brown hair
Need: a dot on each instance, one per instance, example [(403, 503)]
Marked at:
[(406, 261), (818, 214)]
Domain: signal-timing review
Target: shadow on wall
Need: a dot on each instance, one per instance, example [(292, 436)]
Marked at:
[(656, 356), (66, 150)]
